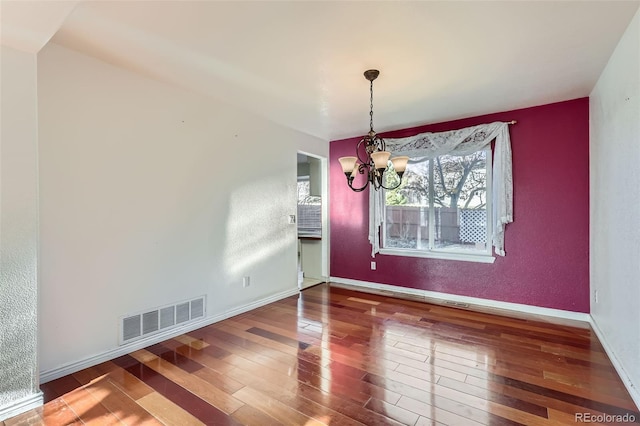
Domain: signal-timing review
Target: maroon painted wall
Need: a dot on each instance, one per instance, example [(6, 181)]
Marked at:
[(547, 245)]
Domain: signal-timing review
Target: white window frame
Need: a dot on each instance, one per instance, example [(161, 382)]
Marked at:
[(484, 256)]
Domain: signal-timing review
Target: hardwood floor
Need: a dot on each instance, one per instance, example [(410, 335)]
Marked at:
[(332, 356)]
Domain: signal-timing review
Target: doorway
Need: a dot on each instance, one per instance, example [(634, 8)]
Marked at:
[(312, 220)]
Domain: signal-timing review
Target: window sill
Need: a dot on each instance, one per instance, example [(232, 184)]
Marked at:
[(466, 257)]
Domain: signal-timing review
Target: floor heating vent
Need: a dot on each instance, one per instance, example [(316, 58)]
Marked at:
[(456, 304), (134, 327)]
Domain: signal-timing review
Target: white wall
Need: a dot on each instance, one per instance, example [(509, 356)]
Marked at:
[(18, 232), (150, 195), (615, 205)]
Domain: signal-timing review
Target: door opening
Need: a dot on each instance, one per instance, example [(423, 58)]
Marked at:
[(312, 221)]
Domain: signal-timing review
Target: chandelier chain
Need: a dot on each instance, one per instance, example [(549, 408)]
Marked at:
[(371, 106)]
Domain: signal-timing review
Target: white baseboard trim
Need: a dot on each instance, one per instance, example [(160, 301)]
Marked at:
[(20, 406), (474, 303), (64, 370), (628, 383)]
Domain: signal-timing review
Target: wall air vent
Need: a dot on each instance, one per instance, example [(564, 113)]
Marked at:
[(167, 317), (197, 308), (131, 328), (143, 324), (182, 313)]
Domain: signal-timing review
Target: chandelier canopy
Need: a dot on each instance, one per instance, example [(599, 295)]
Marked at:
[(376, 158)]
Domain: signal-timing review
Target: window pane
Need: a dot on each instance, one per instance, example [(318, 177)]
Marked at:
[(309, 211), (407, 209), (460, 202), (303, 190)]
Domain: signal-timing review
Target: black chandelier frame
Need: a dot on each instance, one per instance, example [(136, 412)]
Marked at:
[(372, 144)]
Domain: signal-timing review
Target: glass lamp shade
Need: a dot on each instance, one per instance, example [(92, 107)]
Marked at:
[(400, 163), (347, 163), (381, 159)]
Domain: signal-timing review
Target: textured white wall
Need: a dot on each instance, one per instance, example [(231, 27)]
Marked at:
[(18, 228), (151, 195), (615, 203)]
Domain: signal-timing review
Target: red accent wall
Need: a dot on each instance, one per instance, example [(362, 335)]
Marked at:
[(547, 245)]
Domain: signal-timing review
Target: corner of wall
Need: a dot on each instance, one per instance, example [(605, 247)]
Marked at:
[(18, 233), (614, 150)]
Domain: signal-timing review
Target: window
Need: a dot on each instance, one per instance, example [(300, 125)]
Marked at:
[(309, 210), (442, 209), (445, 165)]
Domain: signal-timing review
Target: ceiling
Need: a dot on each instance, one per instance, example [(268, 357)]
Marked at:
[(300, 63)]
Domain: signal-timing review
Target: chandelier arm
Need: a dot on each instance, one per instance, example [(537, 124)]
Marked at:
[(381, 143), (381, 185), (350, 183), (366, 160), (391, 188)]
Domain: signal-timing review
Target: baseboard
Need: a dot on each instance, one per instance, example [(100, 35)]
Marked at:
[(56, 373), (258, 303), (20, 406), (472, 303), (628, 383)]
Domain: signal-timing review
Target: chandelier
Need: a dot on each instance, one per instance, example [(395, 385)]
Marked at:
[(376, 161)]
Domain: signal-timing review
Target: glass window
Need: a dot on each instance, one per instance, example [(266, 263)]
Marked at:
[(442, 206), (309, 210)]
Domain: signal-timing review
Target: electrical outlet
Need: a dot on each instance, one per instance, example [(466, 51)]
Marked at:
[(373, 266), (292, 219), (246, 281), (595, 296)]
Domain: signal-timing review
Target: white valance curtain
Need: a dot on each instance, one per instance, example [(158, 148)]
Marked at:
[(456, 142)]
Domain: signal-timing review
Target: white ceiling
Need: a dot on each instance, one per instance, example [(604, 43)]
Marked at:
[(300, 63)]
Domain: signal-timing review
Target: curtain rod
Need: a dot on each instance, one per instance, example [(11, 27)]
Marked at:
[(512, 122)]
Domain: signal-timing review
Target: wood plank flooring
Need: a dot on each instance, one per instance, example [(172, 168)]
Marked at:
[(333, 356)]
